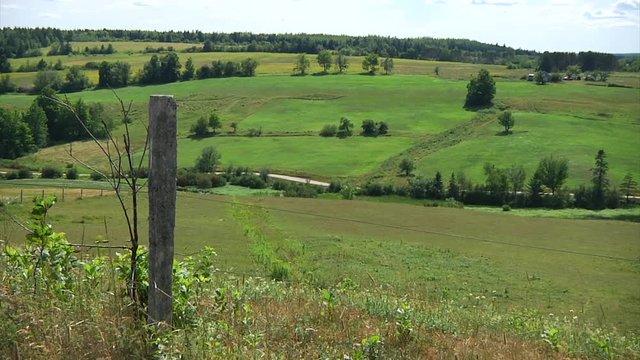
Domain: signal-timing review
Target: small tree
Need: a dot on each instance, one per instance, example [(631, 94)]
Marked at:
[(506, 120), (201, 127), (383, 128), (214, 121), (370, 63), (552, 172), (345, 128), (437, 71), (628, 186), (453, 190), (301, 65), (369, 128), (342, 63), (329, 130), (407, 166), (189, 70), (517, 177), (480, 90), (539, 78), (234, 126), (207, 160), (387, 65), (600, 180), (325, 59), (248, 67)]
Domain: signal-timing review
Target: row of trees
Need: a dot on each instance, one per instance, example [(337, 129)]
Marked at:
[(220, 69), (588, 61), (345, 128), (47, 122), (507, 186), (24, 42)]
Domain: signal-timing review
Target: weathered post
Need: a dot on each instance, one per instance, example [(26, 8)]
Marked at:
[(162, 206)]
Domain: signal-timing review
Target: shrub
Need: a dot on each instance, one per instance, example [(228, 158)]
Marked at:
[(203, 181), (506, 207), (255, 132), (334, 187), (302, 190), (329, 130), (279, 185), (24, 174), (12, 175), (51, 173), (249, 180), (218, 181), (264, 175), (555, 77), (72, 173), (612, 200), (186, 177), (96, 176)]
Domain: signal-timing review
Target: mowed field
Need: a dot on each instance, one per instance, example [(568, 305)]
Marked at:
[(434, 254)]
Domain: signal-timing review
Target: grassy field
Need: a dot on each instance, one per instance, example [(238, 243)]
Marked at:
[(552, 265), (572, 120)]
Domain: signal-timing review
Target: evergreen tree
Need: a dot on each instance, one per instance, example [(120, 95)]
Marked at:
[(600, 180)]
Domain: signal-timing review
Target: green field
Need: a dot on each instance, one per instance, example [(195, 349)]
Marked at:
[(552, 265), (572, 120)]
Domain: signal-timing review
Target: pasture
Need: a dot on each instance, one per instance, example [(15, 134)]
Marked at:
[(435, 254), (571, 120)]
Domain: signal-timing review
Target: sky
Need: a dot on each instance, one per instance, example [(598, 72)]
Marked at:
[(542, 25)]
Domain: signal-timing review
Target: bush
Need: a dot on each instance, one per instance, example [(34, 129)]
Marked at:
[(302, 190), (50, 173), (72, 173), (329, 130), (255, 132), (249, 180), (506, 207), (280, 185), (203, 181), (334, 187), (12, 175), (555, 77), (96, 176), (612, 200), (218, 181), (24, 174), (560, 200), (186, 177)]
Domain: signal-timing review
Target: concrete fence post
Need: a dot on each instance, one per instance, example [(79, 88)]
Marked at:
[(162, 206)]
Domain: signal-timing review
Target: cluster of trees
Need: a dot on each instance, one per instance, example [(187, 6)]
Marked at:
[(201, 127), (220, 69), (47, 122), (114, 74), (25, 42), (345, 128), (326, 59), (588, 61), (508, 186), (102, 50)]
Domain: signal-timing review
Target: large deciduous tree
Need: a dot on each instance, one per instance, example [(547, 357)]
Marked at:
[(480, 90), (248, 67)]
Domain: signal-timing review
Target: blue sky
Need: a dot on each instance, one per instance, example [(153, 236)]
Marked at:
[(554, 25)]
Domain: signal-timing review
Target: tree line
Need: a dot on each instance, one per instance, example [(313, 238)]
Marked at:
[(587, 61), (49, 120), (27, 42), (509, 187)]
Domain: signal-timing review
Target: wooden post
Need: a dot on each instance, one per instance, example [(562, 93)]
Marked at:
[(62, 194), (81, 193), (162, 206), (21, 195)]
